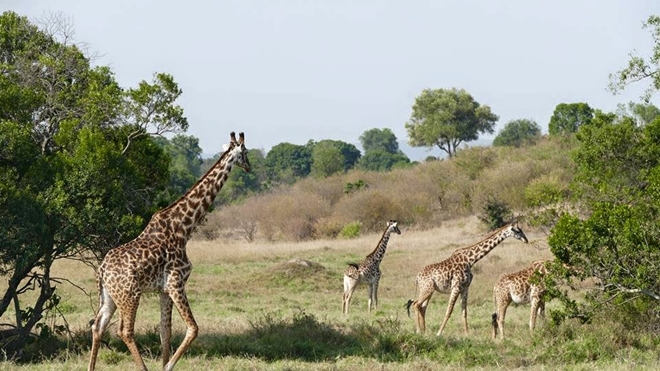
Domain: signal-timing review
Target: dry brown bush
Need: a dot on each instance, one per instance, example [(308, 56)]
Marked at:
[(420, 197), (370, 207), (291, 216)]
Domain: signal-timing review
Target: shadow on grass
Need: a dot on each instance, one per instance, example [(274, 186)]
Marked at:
[(304, 338)]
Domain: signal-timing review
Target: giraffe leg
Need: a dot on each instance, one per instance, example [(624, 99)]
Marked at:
[(107, 308), (128, 309), (370, 301), (165, 326), (419, 307), (534, 310), (501, 314), (464, 298), (181, 301), (453, 296), (349, 287), (375, 294)]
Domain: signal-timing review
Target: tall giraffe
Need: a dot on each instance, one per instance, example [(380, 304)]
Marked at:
[(453, 275), (517, 287), (156, 261), (368, 271)]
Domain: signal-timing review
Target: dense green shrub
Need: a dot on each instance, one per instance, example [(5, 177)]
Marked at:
[(351, 230)]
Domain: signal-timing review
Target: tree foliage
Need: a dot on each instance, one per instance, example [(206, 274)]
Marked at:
[(350, 154), (286, 162), (185, 165), (379, 140), (446, 118), (517, 133), (640, 68), (379, 160), (382, 151), (643, 113), (568, 117), (78, 168), (327, 160), (618, 242)]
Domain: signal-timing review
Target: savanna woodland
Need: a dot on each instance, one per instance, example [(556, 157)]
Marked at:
[(85, 163)]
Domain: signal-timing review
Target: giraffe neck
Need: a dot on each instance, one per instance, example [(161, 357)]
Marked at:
[(475, 252), (186, 212), (379, 252)]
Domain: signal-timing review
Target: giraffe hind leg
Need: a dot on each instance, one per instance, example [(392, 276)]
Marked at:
[(107, 308), (349, 287), (166, 304), (126, 331)]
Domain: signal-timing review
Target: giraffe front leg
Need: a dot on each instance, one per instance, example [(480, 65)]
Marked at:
[(370, 301), (181, 302), (375, 293), (453, 296), (165, 326)]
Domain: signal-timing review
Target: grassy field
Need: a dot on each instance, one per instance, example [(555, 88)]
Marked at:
[(258, 308)]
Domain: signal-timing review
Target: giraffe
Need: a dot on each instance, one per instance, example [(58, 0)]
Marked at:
[(453, 275), (368, 271), (156, 261), (517, 287)]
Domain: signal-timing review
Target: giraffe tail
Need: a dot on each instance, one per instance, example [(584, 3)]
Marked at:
[(494, 323), (407, 306)]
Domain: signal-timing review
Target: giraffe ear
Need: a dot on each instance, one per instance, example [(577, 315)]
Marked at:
[(225, 147)]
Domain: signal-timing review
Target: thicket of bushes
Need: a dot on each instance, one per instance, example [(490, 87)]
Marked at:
[(520, 179)]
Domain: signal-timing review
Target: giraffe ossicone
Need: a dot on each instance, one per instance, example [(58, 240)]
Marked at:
[(454, 276), (156, 261), (367, 271)]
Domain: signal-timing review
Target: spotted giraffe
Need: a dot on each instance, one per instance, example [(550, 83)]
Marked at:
[(453, 275), (156, 261), (368, 271), (517, 287)]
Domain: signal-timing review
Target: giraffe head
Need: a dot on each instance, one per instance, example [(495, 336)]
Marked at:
[(240, 152), (514, 230), (392, 226)]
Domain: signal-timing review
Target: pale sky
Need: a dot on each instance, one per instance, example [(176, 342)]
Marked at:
[(291, 71)]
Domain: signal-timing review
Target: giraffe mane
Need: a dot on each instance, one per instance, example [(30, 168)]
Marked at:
[(228, 149)]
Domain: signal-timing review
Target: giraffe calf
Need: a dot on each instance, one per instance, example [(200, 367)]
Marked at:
[(516, 287)]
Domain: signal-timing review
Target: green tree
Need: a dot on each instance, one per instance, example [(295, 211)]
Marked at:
[(327, 159), (615, 236), (379, 139), (640, 68), (379, 160), (568, 117), (643, 113), (185, 165), (517, 133), (286, 163), (350, 153), (78, 172), (446, 118)]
